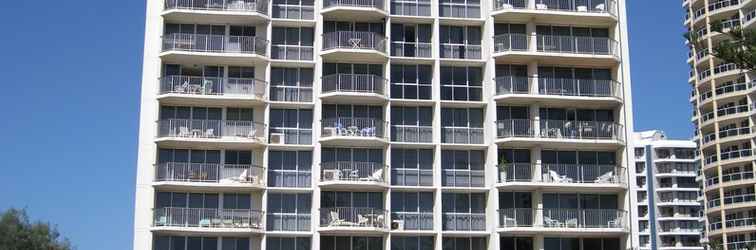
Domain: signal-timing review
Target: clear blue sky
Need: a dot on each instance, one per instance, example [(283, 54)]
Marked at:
[(71, 75)]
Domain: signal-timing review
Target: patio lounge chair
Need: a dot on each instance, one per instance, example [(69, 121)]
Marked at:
[(559, 178), (605, 178), (551, 222), (184, 132)]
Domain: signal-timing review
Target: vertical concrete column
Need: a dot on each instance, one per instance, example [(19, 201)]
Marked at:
[(538, 242), (538, 206), (535, 116), (535, 158), (530, 30)]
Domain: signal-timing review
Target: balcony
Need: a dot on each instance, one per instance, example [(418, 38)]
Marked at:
[(412, 221), (228, 133), (411, 134), (367, 10), (290, 94), (560, 91), (214, 49), (288, 222), (354, 88), (512, 85), (461, 51), (206, 90), (463, 178), (567, 219), (210, 11), (209, 174), (411, 177), (354, 46), (731, 200), (464, 222), (353, 174), (461, 135), (207, 219), (583, 173), (557, 177), (354, 131), (555, 11), (524, 132), (291, 52), (734, 111), (353, 219), (735, 155), (516, 217), (582, 51), (411, 49), (289, 178)]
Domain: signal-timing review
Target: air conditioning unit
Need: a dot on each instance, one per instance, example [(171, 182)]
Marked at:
[(330, 176), (277, 138), (397, 225)]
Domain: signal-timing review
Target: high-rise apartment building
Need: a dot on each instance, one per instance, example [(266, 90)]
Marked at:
[(669, 211), (385, 125), (722, 99)]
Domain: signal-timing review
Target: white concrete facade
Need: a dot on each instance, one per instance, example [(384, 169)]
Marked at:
[(574, 188)]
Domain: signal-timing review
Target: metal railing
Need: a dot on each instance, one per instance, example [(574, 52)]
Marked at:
[(413, 220), (403, 8), (516, 217), (188, 128), (512, 85), (735, 154), (740, 245), (200, 85), (289, 178), (353, 127), (411, 177), (291, 52), (300, 136), (715, 5), (725, 67), (461, 135), (460, 51), (579, 87), (411, 49), (732, 88), (577, 45), (222, 5), (412, 133), (463, 178), (583, 218), (732, 199), (353, 171), (288, 222), (285, 93), (724, 111), (354, 40), (607, 6), (463, 221), (582, 173), (676, 168), (743, 175), (516, 172), (514, 128), (287, 11), (215, 43), (510, 4), (363, 217), (210, 172), (581, 130), (354, 83), (511, 42), (207, 217), (378, 4)]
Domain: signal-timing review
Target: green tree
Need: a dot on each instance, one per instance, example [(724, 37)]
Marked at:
[(18, 233), (739, 48)]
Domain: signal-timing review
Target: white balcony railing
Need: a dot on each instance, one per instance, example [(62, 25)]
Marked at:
[(354, 83), (461, 135), (356, 217), (360, 40), (607, 6), (291, 52), (210, 172), (288, 222), (463, 178), (200, 85), (411, 177), (219, 5), (293, 11), (455, 221), (354, 127), (577, 45), (512, 85), (579, 87), (215, 43), (286, 93), (412, 133), (413, 220), (378, 4), (581, 130), (584, 218), (211, 129), (516, 217), (207, 218), (511, 42), (411, 49), (289, 178), (460, 51), (353, 171), (582, 173)]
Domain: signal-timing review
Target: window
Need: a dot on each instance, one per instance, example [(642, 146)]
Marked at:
[(515, 200), (575, 81), (333, 155), (344, 77), (289, 212), (185, 200), (512, 79), (461, 83), (462, 125), (292, 43), (462, 42), (411, 40), (587, 243), (412, 124), (411, 81), (345, 111), (287, 243), (574, 39), (463, 168), (412, 243), (350, 243), (161, 242), (412, 167), (295, 125), (329, 199), (463, 211), (291, 84), (237, 201), (460, 243), (293, 9), (331, 26), (231, 243), (510, 37), (516, 243), (289, 168), (411, 7), (460, 8), (190, 113), (414, 209)]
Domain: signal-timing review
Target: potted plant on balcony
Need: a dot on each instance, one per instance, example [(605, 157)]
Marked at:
[(503, 161)]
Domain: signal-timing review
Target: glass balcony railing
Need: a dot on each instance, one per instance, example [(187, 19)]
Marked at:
[(354, 217), (291, 52), (412, 220), (207, 218), (511, 42), (293, 11), (735, 154), (215, 43), (461, 135), (288, 222), (579, 87), (510, 4), (213, 86), (516, 217), (286, 93), (463, 178), (211, 129), (219, 5), (411, 133), (453, 221), (512, 85), (460, 51), (577, 45), (354, 83), (355, 127), (359, 40), (289, 178), (516, 172), (411, 177), (411, 49), (353, 171), (252, 174), (512, 128)]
